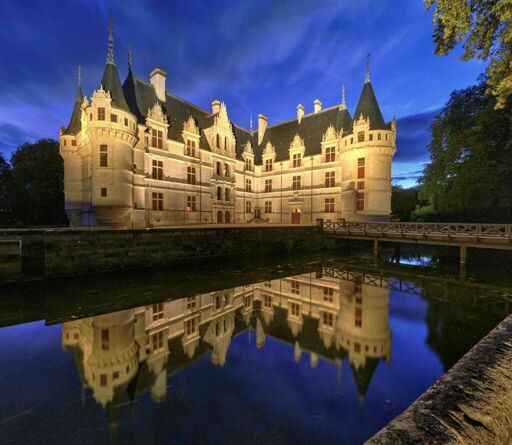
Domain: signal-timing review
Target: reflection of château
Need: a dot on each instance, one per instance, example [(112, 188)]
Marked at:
[(330, 318)]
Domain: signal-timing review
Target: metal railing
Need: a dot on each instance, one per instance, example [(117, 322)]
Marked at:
[(473, 232)]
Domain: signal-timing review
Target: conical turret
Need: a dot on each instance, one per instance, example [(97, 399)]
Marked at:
[(74, 125)]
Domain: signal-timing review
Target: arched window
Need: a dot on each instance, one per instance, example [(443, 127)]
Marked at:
[(219, 216), (227, 194), (219, 168), (228, 217), (219, 193), (218, 141), (225, 143)]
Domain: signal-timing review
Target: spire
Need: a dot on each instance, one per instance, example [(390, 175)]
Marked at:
[(110, 54), (79, 78), (343, 105), (129, 57), (367, 78), (75, 125), (250, 124)]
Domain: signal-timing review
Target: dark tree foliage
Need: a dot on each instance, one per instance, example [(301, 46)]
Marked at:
[(5, 179), (469, 177), (36, 191), (404, 202)]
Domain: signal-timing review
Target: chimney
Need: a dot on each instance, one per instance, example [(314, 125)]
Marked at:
[(262, 126), (215, 106), (157, 79), (300, 112), (318, 105)]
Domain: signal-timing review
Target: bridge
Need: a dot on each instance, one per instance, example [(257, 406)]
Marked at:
[(463, 236)]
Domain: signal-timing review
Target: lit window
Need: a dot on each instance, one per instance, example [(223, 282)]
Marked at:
[(158, 201), (113, 117), (268, 207), (268, 165), (158, 169), (360, 168), (103, 156), (295, 287), (158, 311), (330, 179), (191, 203), (329, 205), (297, 160), (268, 185), (248, 207), (101, 114), (330, 154), (296, 180), (360, 136), (191, 175)]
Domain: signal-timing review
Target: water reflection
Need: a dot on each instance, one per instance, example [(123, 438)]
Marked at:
[(328, 315)]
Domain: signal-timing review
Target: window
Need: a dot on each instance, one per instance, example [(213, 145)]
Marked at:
[(217, 141), (217, 302), (115, 375), (267, 284), (73, 142), (330, 154), (248, 207), (329, 205), (360, 201), (386, 136), (360, 185), (248, 185), (370, 136), (297, 160), (357, 347), (156, 138), (113, 117), (103, 156), (191, 148), (248, 165), (191, 203), (158, 169), (126, 121), (359, 290), (158, 201), (295, 287), (190, 326), (103, 379), (158, 311), (226, 143), (296, 182), (191, 175), (328, 294), (267, 300), (330, 179), (359, 317), (227, 195), (101, 114), (268, 165), (158, 340), (268, 185), (105, 339), (268, 206), (360, 136), (247, 301), (295, 309), (217, 329), (360, 168), (191, 303), (103, 192), (327, 319), (219, 193)]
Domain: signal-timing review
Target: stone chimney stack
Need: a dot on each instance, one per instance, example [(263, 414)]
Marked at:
[(215, 106), (317, 105), (262, 126), (157, 79), (300, 112)]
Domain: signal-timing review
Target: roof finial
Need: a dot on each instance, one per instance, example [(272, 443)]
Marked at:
[(343, 105), (367, 79), (250, 124), (129, 57), (79, 76), (110, 54)]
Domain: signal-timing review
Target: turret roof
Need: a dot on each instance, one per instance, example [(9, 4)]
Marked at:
[(111, 82), (368, 107), (75, 125)]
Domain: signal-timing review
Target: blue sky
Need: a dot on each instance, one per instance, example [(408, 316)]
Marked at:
[(258, 56)]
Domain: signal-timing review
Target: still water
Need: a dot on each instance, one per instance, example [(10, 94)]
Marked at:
[(304, 350)]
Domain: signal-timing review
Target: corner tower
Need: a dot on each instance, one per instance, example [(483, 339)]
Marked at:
[(366, 155)]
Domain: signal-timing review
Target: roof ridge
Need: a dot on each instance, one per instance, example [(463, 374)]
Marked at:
[(305, 116)]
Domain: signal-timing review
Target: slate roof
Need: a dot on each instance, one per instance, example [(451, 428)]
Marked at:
[(75, 124), (369, 107), (111, 82)]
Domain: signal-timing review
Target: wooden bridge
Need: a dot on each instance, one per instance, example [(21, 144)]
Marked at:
[(484, 236)]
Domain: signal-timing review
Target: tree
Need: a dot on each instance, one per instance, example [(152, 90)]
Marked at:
[(485, 29), (469, 177), (404, 202), (36, 194), (5, 179)]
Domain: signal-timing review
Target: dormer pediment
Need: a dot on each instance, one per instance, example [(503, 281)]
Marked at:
[(297, 143), (330, 135), (156, 114), (269, 150), (248, 151), (190, 127)]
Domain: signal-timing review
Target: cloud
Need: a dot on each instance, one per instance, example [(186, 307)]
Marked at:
[(11, 137), (413, 137)]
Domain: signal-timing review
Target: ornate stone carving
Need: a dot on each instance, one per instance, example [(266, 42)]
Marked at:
[(248, 148), (269, 149), (297, 142), (190, 126), (222, 120), (156, 113), (330, 134)]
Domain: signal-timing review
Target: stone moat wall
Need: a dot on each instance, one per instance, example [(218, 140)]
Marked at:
[(53, 252)]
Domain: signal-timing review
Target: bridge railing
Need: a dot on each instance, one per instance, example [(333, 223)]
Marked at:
[(402, 229)]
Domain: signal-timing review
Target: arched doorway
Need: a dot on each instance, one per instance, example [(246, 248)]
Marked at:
[(296, 216), (219, 216), (228, 217)]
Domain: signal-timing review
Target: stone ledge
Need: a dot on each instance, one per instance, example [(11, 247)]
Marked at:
[(470, 404)]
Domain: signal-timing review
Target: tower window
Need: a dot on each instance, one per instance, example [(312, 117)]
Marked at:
[(268, 207), (330, 179), (327, 319), (103, 192), (360, 168), (359, 317), (386, 136), (105, 339), (370, 136), (329, 205), (191, 175), (360, 200), (125, 121), (73, 142), (296, 180), (378, 136), (158, 169), (360, 136), (103, 156), (191, 203), (113, 117), (101, 114), (158, 201)]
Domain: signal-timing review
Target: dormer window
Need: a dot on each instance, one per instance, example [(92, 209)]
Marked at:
[(248, 165), (360, 136), (268, 165), (297, 160), (101, 114), (157, 138)]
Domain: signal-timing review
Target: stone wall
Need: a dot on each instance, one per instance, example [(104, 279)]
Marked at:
[(471, 404), (54, 252)]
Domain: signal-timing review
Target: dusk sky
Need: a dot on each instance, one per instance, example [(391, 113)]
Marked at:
[(257, 56)]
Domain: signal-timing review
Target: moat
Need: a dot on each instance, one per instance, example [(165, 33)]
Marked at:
[(305, 349)]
